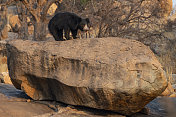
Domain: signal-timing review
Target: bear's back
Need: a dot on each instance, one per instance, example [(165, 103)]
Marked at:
[(63, 18)]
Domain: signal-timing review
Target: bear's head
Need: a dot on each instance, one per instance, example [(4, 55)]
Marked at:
[(84, 24)]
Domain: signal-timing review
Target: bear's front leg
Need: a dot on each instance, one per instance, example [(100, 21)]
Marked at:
[(67, 33), (74, 33)]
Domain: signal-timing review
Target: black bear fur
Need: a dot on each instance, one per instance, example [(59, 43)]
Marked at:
[(68, 22)]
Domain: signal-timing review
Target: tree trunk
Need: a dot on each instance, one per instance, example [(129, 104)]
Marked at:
[(3, 23), (23, 33), (40, 31), (22, 15)]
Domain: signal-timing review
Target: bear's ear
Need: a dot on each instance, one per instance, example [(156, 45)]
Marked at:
[(87, 20)]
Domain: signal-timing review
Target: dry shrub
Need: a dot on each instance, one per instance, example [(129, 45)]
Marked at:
[(119, 18), (142, 20)]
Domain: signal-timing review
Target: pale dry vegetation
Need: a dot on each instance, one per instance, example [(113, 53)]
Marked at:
[(119, 18), (143, 20)]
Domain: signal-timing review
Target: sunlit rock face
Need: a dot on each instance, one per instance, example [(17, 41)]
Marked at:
[(4, 75), (107, 73), (167, 6)]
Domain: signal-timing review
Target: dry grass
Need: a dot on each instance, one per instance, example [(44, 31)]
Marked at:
[(168, 65)]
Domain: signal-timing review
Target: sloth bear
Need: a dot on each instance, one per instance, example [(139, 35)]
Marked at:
[(68, 22)]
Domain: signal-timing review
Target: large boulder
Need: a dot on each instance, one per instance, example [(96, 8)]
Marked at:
[(110, 73)]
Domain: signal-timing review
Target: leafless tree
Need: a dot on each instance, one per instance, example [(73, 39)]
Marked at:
[(37, 10), (137, 19), (127, 18), (3, 22), (22, 15)]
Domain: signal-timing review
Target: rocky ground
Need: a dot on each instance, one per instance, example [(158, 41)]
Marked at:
[(15, 103)]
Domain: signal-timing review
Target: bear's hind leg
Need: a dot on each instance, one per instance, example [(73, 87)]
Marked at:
[(57, 34), (60, 35)]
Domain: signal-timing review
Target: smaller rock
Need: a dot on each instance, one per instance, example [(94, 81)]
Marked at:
[(173, 95), (28, 100), (1, 78), (14, 23), (52, 9), (4, 75), (145, 111), (6, 78), (168, 91)]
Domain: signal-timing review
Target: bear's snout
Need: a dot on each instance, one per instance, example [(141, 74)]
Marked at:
[(86, 28)]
